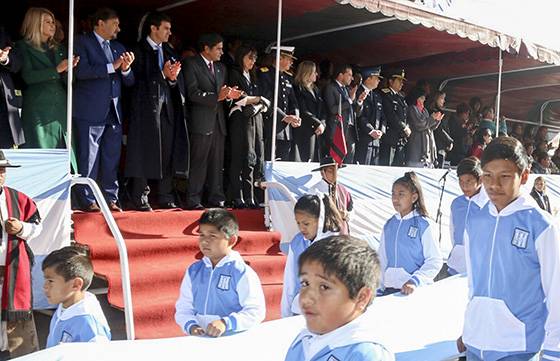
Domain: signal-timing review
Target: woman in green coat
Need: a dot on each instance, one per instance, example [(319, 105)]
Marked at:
[(44, 73)]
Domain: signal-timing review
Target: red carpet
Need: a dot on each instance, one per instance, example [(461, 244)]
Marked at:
[(161, 245)]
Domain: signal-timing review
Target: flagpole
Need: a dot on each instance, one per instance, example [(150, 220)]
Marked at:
[(69, 84), (499, 96), (276, 81)]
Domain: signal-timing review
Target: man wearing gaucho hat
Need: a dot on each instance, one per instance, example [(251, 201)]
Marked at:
[(339, 194), (371, 122), (392, 150), (20, 222), (288, 110)]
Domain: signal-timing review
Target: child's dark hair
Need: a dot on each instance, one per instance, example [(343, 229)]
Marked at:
[(469, 165), (412, 183), (309, 203), (350, 259), (71, 262), (223, 220), (506, 148)]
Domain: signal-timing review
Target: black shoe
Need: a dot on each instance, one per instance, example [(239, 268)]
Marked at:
[(253, 205), (167, 205), (239, 204), (142, 207), (217, 205), (195, 207)]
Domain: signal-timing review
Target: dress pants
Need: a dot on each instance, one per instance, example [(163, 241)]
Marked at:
[(350, 136), (305, 149), (164, 184), (366, 152), (99, 152), (207, 163)]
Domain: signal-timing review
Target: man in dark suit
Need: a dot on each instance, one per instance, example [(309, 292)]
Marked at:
[(392, 150), (11, 132), (371, 119), (157, 143), (206, 90), (340, 98), (104, 65), (287, 110)]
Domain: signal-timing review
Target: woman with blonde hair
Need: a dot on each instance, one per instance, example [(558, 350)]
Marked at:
[(44, 72), (306, 145)]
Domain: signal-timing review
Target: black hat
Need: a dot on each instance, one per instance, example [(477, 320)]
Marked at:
[(5, 163), (396, 73), (374, 70), (327, 161)]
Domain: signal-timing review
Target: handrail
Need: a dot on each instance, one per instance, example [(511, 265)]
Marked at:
[(123, 254)]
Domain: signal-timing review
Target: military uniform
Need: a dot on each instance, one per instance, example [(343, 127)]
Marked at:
[(393, 143), (287, 105), (370, 118)]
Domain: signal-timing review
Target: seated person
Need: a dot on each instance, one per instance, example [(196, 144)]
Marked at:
[(68, 273), (220, 294), (339, 276)]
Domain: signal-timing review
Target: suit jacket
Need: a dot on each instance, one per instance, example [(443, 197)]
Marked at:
[(152, 92), (11, 97), (311, 111), (371, 116), (544, 205), (203, 89), (332, 94), (395, 108), (94, 86)]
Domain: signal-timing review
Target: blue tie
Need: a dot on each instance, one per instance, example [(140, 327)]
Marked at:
[(107, 51), (160, 57)]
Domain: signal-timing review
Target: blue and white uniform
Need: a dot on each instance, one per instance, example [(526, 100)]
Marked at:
[(462, 208), (351, 342), (290, 302), (408, 251), (513, 268), (231, 291), (84, 321)]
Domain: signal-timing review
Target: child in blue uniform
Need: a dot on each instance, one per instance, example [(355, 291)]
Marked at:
[(316, 219), (68, 273), (338, 276), (473, 199), (408, 252), (513, 266), (220, 294)]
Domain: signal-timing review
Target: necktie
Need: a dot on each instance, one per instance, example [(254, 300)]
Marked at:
[(160, 56), (211, 67), (107, 51)]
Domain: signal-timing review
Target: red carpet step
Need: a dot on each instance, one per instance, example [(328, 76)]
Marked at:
[(161, 245)]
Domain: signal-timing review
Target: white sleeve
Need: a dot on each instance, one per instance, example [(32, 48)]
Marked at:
[(548, 252), (432, 259), (468, 261), (382, 260), (184, 309), (30, 230), (288, 291), (251, 299), (451, 229)]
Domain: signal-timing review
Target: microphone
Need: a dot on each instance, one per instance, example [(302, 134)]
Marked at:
[(445, 174)]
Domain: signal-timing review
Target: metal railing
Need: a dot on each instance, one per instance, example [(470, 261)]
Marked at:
[(123, 254)]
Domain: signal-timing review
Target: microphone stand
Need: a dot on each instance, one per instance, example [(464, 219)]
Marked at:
[(442, 181)]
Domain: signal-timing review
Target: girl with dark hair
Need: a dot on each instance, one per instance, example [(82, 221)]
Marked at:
[(409, 253), (444, 142), (421, 148), (245, 130), (317, 218), (463, 207), (483, 137), (539, 194)]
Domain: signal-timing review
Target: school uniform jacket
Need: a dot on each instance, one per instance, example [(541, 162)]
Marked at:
[(230, 291), (409, 251), (351, 342), (513, 268), (462, 209), (84, 321)]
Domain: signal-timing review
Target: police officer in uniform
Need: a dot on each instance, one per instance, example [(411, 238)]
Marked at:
[(288, 112), (392, 150), (371, 122)]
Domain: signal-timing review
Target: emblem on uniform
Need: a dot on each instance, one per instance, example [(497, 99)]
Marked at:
[(412, 232), (332, 358), (66, 337), (520, 238), (223, 282)]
